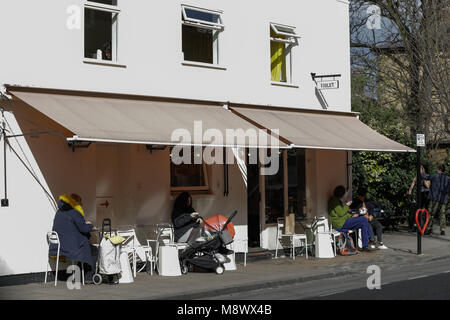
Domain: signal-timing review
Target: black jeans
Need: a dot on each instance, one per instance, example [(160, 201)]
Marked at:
[(378, 228)]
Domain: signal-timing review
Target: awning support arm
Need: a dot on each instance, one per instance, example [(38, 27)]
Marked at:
[(34, 134), (78, 144)]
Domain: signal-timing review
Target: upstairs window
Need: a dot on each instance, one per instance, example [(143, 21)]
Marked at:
[(282, 39), (100, 29), (200, 34)]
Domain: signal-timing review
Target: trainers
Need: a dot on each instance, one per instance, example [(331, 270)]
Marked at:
[(382, 246), (368, 248)]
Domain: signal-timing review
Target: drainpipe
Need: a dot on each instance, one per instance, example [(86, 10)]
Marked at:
[(4, 201)]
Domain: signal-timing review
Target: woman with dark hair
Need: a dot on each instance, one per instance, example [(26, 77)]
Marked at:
[(338, 211), (184, 217), (342, 218)]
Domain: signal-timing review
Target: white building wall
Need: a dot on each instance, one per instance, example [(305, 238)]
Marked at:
[(41, 51)]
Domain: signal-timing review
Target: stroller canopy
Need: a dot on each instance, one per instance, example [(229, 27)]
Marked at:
[(217, 222)]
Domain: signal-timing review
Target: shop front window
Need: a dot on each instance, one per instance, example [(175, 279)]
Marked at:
[(191, 176)]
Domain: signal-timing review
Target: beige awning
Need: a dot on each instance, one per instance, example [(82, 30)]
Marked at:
[(101, 117), (320, 129)]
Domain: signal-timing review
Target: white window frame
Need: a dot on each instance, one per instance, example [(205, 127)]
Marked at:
[(201, 23), (290, 37), (115, 30), (216, 27), (290, 41)]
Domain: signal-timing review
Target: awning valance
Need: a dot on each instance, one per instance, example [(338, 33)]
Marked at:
[(313, 129)]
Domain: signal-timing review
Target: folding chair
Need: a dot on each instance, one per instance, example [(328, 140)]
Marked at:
[(292, 237), (240, 243), (135, 250)]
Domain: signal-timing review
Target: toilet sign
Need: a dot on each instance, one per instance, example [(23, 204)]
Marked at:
[(325, 85), (420, 140)]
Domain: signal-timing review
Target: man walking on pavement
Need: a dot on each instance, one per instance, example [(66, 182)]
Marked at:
[(438, 198)]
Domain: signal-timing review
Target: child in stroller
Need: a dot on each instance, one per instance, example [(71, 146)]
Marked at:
[(208, 252)]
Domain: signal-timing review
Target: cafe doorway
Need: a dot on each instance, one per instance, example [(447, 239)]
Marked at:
[(253, 203)]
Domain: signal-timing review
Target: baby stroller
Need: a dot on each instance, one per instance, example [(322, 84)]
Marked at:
[(205, 253), (108, 259)]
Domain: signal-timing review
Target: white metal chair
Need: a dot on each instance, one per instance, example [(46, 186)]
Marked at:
[(165, 236), (335, 234), (135, 250), (240, 243), (320, 228), (53, 238), (292, 237)]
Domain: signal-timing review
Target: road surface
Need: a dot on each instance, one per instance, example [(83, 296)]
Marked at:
[(424, 281)]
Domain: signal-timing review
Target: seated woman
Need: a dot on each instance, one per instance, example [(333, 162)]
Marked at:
[(184, 217), (338, 211), (342, 218), (73, 232)]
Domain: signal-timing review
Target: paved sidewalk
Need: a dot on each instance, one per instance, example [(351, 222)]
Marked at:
[(256, 275)]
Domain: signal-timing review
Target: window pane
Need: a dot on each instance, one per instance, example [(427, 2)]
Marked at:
[(188, 175), (204, 16), (197, 44), (110, 2), (100, 33), (285, 30), (277, 59), (275, 194)]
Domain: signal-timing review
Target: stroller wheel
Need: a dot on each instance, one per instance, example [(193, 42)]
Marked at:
[(184, 269), (220, 269), (97, 279)]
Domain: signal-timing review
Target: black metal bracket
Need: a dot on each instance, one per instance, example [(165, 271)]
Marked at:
[(151, 147), (314, 76), (78, 144)]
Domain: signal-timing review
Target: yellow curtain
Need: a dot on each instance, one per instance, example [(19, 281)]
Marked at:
[(277, 60)]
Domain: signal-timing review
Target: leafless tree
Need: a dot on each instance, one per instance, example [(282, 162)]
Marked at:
[(404, 45)]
